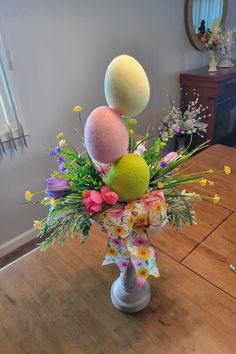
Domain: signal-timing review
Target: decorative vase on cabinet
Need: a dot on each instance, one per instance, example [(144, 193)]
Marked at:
[(212, 61)]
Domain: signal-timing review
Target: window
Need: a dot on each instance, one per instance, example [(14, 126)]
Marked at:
[(10, 123), (207, 10)]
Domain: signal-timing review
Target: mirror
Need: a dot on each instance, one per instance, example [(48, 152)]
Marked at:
[(200, 15)]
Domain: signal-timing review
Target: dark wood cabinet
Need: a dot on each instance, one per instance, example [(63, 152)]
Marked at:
[(218, 92)]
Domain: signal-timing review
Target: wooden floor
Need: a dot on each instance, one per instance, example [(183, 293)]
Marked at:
[(59, 302)]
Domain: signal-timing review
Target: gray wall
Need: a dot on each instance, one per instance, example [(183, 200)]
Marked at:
[(61, 49)]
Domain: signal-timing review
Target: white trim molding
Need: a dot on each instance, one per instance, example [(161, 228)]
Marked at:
[(16, 242)]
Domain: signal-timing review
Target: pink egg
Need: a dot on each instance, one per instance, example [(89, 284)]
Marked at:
[(106, 137)]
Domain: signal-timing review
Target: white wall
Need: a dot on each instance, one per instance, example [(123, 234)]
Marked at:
[(231, 14), (61, 49)]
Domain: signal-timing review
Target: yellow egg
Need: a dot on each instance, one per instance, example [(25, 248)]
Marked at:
[(126, 86)]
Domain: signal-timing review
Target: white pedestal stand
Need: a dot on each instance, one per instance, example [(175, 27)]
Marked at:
[(125, 294)]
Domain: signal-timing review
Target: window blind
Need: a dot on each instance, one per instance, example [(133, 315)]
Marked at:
[(207, 10), (10, 125)]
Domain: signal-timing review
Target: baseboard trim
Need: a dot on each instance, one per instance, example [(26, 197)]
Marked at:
[(18, 247), (16, 242), (18, 253)]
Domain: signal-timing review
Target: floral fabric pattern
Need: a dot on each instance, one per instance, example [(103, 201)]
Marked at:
[(127, 228)]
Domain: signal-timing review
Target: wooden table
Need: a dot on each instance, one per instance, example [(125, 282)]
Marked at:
[(59, 302)]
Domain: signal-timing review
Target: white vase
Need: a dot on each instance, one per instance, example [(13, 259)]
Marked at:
[(227, 45), (212, 61), (226, 60), (126, 296)]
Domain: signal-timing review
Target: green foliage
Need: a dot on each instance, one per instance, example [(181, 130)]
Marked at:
[(68, 214), (179, 207), (170, 180), (152, 155)]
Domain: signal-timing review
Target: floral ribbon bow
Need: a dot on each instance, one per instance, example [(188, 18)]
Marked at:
[(127, 228)]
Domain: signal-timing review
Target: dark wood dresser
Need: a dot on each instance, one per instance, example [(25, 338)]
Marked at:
[(218, 92)]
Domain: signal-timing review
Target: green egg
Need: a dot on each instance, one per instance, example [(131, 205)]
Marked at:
[(129, 177)]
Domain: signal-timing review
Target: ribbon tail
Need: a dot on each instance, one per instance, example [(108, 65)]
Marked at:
[(143, 255), (116, 253)]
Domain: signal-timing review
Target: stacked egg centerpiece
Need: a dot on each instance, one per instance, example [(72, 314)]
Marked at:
[(106, 137)]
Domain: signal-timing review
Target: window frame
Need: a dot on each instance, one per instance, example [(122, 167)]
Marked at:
[(20, 132)]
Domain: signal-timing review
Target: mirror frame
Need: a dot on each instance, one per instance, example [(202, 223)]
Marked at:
[(195, 41)]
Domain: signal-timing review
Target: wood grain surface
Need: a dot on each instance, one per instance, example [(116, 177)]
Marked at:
[(216, 157), (178, 244), (59, 302), (214, 256)]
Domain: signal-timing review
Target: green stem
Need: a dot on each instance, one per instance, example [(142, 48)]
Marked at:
[(182, 170), (40, 192), (147, 138), (172, 165), (178, 183), (186, 149), (185, 196), (81, 124)]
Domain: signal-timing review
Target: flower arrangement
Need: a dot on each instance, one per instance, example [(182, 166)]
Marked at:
[(210, 38), (227, 43), (124, 187), (228, 37), (189, 121)]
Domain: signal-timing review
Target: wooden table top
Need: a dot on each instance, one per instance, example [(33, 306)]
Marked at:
[(59, 301)]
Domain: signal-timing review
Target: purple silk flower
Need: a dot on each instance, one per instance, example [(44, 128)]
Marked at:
[(163, 164), (57, 187), (175, 127)]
